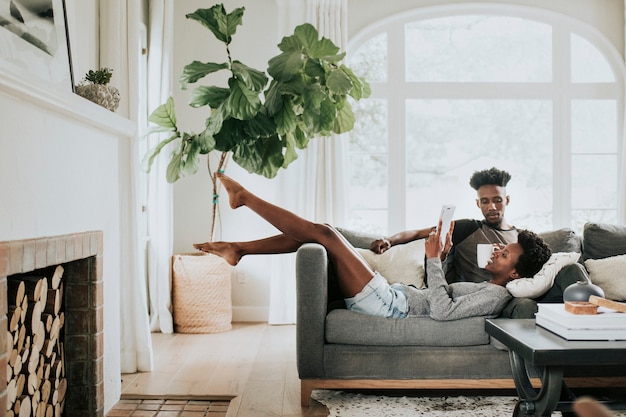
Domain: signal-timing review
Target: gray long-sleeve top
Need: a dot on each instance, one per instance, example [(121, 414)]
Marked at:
[(443, 301)]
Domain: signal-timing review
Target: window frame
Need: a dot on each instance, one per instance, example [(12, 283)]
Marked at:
[(560, 91)]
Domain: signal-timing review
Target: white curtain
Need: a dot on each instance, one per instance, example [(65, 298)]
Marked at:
[(159, 203), (314, 184), (622, 187), (120, 50)]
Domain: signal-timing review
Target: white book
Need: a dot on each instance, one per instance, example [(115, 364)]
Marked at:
[(605, 319), (580, 334)]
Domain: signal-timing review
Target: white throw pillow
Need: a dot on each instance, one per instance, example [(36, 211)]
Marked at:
[(610, 275), (400, 263), (544, 279)]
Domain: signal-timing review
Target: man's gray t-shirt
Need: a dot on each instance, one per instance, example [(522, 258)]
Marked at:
[(460, 264)]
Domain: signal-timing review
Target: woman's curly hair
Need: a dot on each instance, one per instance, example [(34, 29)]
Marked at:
[(536, 253), (492, 176)]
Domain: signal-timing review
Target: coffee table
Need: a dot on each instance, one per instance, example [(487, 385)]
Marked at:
[(532, 344)]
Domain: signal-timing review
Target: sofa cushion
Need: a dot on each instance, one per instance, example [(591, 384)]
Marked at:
[(358, 239), (601, 240), (400, 263), (348, 327), (610, 275), (562, 240)]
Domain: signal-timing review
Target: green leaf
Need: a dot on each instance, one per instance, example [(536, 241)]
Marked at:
[(263, 157), (253, 79), (196, 70), (360, 87), (164, 115), (285, 118), (313, 68), (273, 97), (290, 150), (315, 47), (302, 140), (216, 19), (345, 119), (290, 44), (286, 66), (214, 122), (307, 35), (211, 96), (243, 103), (231, 134), (191, 161), (259, 126), (172, 174), (313, 97), (338, 82), (148, 159), (206, 142)]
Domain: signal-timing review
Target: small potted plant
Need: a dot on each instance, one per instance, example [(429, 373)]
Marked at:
[(95, 88)]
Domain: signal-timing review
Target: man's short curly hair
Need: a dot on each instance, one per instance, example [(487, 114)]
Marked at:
[(536, 253), (492, 176)]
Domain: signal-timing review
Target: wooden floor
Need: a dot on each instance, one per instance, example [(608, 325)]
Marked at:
[(254, 364)]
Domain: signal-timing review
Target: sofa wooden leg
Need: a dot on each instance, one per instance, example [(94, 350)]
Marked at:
[(306, 389)]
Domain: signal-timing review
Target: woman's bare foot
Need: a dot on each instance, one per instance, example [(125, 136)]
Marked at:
[(226, 250), (234, 189)]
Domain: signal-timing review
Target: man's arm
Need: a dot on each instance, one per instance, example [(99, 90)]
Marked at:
[(381, 245)]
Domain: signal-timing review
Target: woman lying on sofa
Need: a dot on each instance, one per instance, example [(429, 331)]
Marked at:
[(366, 291)]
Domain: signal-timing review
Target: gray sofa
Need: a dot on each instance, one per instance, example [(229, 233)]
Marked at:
[(340, 349)]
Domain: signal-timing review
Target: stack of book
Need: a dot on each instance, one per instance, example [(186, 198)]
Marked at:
[(605, 325)]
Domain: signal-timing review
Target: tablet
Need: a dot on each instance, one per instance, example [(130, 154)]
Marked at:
[(447, 212)]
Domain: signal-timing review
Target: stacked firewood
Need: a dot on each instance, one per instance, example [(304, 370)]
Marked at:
[(36, 381)]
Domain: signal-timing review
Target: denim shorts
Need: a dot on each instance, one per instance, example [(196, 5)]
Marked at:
[(380, 299)]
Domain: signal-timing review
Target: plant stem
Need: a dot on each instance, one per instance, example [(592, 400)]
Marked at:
[(221, 167)]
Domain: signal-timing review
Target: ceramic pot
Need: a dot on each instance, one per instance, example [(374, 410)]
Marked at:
[(581, 291)]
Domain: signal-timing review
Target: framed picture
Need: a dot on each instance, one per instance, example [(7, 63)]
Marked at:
[(34, 42)]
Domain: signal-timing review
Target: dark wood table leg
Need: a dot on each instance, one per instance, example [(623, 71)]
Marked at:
[(533, 402)]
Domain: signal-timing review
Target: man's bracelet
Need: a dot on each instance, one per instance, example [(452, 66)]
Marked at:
[(386, 241)]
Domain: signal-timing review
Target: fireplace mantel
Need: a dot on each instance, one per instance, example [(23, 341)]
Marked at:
[(67, 104)]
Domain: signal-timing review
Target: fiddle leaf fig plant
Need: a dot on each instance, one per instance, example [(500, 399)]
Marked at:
[(258, 118)]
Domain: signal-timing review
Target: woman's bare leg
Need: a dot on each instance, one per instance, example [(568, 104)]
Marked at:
[(352, 271), (232, 252)]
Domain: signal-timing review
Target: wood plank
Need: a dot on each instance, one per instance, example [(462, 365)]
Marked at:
[(256, 362)]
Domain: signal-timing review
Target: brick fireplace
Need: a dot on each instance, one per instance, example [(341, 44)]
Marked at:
[(80, 254)]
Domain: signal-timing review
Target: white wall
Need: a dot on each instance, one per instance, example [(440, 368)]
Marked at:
[(64, 169), (254, 44)]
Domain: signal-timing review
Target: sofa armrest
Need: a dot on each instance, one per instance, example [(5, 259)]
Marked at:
[(312, 306)]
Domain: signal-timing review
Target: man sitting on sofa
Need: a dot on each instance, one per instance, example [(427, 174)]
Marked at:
[(461, 263)]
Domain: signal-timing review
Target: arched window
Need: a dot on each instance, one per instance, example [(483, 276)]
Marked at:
[(462, 88)]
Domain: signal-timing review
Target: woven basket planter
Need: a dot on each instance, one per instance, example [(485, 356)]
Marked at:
[(201, 293)]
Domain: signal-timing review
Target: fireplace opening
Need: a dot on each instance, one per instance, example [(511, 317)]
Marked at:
[(52, 358)]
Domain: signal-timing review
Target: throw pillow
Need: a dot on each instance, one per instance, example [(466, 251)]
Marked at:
[(610, 275), (400, 263), (544, 279), (603, 240)]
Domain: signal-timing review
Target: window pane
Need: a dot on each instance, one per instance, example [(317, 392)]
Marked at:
[(580, 217), (594, 126), (447, 140), (369, 221), (478, 48), (370, 60), (594, 182), (589, 64), (370, 128), (368, 191)]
